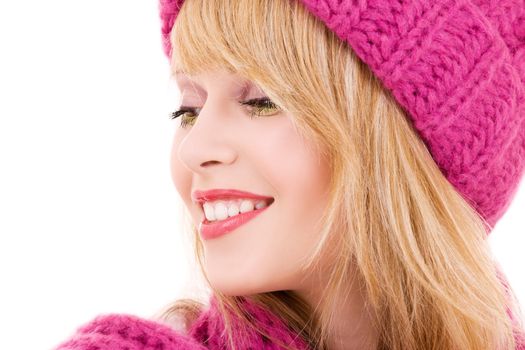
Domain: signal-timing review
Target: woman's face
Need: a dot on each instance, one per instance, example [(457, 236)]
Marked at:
[(223, 148)]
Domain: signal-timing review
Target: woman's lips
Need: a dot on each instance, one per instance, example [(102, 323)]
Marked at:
[(200, 197), (214, 229)]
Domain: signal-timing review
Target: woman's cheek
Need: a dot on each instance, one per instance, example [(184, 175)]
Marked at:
[(180, 174)]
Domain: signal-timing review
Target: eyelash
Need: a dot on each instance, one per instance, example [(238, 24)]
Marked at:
[(260, 104)]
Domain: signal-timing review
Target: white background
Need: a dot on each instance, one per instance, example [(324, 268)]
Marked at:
[(89, 217)]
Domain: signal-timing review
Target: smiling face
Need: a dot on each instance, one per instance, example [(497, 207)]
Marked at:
[(223, 147)]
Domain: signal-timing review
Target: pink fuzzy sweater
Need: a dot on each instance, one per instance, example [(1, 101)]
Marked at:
[(127, 332)]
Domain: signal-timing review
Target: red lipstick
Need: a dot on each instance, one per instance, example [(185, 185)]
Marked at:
[(214, 229)]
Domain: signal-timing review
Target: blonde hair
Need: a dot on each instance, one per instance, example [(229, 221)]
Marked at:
[(416, 243)]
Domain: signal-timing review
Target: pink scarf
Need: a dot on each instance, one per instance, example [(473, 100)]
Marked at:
[(122, 331)]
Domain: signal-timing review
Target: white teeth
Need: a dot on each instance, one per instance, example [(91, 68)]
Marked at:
[(233, 209), (221, 210), (260, 204), (246, 206), (209, 212)]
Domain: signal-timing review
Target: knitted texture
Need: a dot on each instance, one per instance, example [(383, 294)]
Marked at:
[(457, 67), (128, 332)]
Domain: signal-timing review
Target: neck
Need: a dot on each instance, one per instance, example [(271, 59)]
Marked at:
[(352, 327)]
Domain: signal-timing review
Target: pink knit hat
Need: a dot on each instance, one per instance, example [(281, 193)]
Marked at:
[(457, 67)]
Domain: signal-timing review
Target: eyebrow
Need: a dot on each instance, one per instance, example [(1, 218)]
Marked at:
[(179, 73), (183, 80)]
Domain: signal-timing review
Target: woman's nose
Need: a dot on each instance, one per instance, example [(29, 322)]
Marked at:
[(207, 142)]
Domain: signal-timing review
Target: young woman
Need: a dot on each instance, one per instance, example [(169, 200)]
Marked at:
[(342, 163)]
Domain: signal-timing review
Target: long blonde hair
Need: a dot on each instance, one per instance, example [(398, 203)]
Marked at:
[(417, 244)]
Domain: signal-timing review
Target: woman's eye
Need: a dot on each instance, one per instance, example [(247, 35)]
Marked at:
[(184, 111), (259, 107)]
